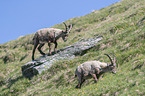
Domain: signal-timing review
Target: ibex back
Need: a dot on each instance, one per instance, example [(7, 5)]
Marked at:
[(49, 35)]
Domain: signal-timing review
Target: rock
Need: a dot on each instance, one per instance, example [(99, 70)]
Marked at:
[(44, 62)]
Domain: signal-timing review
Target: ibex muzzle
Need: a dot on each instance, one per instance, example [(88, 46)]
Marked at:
[(49, 35)]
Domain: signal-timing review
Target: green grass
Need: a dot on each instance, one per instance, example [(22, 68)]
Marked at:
[(123, 30)]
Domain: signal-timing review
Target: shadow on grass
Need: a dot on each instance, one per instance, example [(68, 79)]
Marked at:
[(10, 82), (13, 81)]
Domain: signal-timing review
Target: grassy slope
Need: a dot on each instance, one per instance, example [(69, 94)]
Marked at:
[(121, 25)]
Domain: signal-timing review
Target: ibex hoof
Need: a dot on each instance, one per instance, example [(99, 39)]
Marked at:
[(78, 87)]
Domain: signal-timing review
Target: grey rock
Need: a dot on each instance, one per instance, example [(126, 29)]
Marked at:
[(67, 53)]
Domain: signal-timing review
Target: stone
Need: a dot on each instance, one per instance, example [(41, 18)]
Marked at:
[(67, 53)]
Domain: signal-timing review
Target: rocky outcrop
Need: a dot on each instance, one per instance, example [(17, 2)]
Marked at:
[(44, 62)]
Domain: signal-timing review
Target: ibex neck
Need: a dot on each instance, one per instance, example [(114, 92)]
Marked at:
[(58, 36), (105, 69)]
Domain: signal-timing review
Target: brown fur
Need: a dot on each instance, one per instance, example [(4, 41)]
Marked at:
[(49, 35)]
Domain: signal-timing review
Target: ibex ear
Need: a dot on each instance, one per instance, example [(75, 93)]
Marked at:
[(70, 26)]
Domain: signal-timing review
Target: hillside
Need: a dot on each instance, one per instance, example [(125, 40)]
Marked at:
[(122, 26)]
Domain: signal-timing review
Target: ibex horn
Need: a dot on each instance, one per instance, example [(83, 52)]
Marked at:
[(110, 58), (65, 26)]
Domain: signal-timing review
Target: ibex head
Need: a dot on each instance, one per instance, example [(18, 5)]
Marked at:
[(112, 66), (66, 32)]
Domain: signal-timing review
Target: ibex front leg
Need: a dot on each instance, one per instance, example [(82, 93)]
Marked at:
[(94, 75), (49, 44), (39, 49)]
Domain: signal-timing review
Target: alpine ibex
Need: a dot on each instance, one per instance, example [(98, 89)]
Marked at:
[(94, 69), (49, 35)]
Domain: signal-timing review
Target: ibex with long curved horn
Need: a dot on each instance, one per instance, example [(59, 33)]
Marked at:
[(49, 35), (94, 69)]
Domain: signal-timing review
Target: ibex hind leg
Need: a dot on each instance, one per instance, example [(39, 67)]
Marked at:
[(39, 49), (35, 46), (83, 80), (80, 81)]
